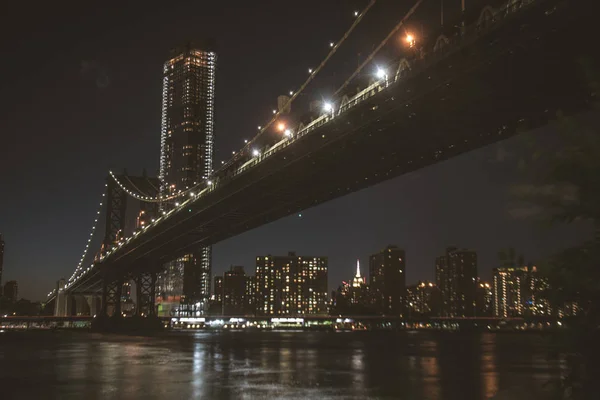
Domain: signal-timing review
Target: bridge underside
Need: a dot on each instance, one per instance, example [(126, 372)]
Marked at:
[(514, 78)]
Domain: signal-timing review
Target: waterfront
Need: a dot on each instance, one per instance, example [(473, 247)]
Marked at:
[(289, 365)]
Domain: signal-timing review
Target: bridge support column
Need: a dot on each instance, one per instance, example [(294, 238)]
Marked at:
[(145, 283), (111, 297), (80, 305), (94, 305)]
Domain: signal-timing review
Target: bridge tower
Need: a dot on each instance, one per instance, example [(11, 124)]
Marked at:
[(116, 208)]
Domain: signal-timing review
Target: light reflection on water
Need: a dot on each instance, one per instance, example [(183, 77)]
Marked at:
[(285, 365)]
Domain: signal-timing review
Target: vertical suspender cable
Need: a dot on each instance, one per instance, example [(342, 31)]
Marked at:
[(398, 26)]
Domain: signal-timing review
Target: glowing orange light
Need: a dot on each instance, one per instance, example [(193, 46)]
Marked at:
[(410, 39), (281, 127)]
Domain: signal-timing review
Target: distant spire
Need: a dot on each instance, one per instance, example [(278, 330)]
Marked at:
[(358, 268)]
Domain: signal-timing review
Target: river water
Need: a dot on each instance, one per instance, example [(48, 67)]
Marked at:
[(279, 365)]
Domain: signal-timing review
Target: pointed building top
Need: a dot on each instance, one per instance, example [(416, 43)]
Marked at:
[(358, 280)]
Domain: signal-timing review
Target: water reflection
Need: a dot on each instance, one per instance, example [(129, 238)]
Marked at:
[(430, 381), (198, 369), (274, 365), (489, 376)]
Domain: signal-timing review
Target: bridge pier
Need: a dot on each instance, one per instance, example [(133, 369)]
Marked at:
[(111, 297), (145, 283), (80, 305), (94, 304)]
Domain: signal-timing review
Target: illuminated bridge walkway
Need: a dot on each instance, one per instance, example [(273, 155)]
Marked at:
[(511, 68)]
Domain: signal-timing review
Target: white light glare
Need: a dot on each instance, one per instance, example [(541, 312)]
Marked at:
[(328, 107), (209, 183), (331, 44), (274, 111), (287, 132), (381, 73), (310, 70), (356, 13), (255, 153)]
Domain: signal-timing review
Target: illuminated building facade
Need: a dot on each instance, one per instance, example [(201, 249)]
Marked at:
[(186, 159), (387, 274), (456, 277), (510, 291), (352, 297), (250, 296), (358, 293), (518, 292), (424, 298), (485, 299), (291, 285)]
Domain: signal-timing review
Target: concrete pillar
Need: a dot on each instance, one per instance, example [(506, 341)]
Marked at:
[(94, 304), (60, 304)]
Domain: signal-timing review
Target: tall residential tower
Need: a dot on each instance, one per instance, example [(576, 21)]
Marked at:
[(387, 274), (186, 159)]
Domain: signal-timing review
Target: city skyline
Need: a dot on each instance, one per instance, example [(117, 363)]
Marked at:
[(421, 212)]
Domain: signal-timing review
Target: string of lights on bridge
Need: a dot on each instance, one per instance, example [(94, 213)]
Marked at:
[(89, 241), (329, 114)]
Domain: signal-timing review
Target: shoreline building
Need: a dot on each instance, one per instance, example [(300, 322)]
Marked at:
[(186, 160), (291, 285), (387, 285), (423, 299), (456, 277)]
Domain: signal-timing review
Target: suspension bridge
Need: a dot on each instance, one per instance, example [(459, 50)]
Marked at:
[(508, 68)]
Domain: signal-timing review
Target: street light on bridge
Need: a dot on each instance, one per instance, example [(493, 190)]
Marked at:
[(410, 39)]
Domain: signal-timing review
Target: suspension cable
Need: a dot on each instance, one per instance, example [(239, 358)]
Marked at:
[(87, 245), (313, 74), (150, 199), (393, 31)]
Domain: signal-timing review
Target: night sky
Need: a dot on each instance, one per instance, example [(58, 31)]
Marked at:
[(81, 94)]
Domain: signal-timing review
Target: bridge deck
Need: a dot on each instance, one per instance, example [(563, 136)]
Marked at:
[(490, 86)]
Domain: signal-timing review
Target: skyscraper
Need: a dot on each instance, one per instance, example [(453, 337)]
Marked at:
[(186, 159), (510, 291), (234, 290), (291, 285), (1, 260), (387, 274), (456, 277), (463, 296), (424, 298), (11, 291)]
